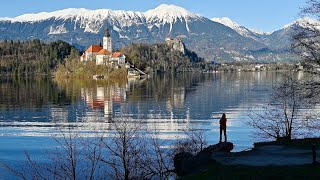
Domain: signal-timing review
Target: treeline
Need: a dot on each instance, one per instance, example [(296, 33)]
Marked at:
[(32, 56), (160, 57)]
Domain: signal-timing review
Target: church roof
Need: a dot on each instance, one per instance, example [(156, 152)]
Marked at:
[(104, 52), (94, 48), (116, 54)]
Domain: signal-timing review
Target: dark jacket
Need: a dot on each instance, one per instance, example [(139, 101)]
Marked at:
[(223, 122)]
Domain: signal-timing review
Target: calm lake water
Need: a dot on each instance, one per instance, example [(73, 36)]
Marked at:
[(32, 110)]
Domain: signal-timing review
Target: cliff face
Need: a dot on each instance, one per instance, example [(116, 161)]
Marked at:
[(177, 45)]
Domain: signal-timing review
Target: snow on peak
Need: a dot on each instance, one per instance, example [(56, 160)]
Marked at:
[(233, 25), (303, 22), (257, 31), (167, 12), (58, 30), (78, 13), (240, 29), (227, 22), (60, 14)]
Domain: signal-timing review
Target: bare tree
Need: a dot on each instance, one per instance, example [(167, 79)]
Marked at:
[(128, 153), (132, 154), (306, 44), (194, 143), (306, 38), (280, 117), (125, 151), (74, 158), (157, 161)]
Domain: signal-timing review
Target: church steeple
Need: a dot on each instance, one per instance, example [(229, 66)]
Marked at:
[(107, 33), (107, 40)]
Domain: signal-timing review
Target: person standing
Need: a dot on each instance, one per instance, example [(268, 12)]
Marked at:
[(223, 127)]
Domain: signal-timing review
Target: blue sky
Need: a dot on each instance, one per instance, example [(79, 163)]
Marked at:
[(264, 15)]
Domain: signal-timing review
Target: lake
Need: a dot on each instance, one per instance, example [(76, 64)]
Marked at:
[(33, 110)]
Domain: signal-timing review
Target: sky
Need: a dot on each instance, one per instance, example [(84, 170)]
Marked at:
[(261, 15)]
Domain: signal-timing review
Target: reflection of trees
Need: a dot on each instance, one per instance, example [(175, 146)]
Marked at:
[(30, 93), (164, 86)]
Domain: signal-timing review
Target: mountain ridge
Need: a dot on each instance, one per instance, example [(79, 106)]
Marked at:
[(208, 38)]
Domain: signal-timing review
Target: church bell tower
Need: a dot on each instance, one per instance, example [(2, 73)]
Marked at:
[(107, 42)]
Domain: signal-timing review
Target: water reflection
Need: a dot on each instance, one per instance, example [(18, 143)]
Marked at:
[(169, 103)]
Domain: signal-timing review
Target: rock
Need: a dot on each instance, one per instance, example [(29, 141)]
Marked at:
[(185, 163), (176, 44), (220, 147)]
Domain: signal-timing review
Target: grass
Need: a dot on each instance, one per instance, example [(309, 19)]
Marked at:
[(218, 171)]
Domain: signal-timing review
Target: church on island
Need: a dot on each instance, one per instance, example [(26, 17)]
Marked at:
[(103, 55)]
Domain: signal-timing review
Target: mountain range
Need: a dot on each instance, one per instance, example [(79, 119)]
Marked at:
[(217, 38)]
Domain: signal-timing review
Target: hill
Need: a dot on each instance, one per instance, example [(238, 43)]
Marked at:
[(32, 56)]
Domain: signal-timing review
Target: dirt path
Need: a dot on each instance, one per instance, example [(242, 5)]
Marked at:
[(267, 155)]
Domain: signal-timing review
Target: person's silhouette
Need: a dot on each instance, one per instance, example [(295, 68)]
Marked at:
[(223, 127)]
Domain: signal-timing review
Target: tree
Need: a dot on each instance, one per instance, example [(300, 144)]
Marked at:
[(195, 142), (306, 44), (135, 155), (74, 158), (280, 118)]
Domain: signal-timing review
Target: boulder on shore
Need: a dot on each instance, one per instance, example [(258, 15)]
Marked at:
[(186, 163), (220, 147)]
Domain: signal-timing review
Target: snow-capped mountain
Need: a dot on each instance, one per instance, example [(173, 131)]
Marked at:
[(233, 25), (246, 32), (169, 14), (303, 22), (219, 38)]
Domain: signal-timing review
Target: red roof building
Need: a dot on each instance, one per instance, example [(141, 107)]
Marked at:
[(94, 49), (116, 54), (104, 52)]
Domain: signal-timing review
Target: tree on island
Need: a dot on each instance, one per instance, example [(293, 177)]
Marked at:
[(161, 57)]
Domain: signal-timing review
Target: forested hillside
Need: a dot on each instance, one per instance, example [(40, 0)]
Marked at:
[(32, 56), (160, 57)]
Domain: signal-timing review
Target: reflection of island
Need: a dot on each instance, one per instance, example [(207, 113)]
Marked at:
[(103, 99), (59, 115), (168, 103), (177, 98)]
